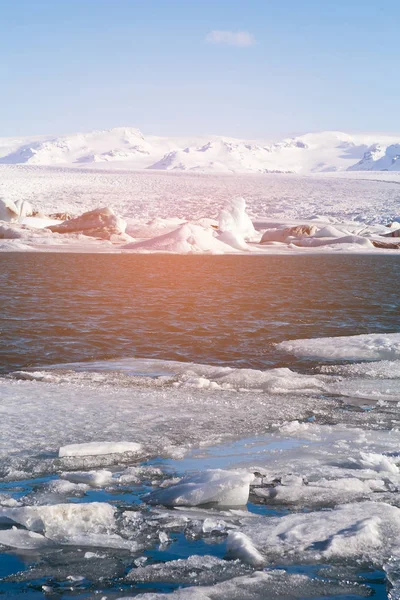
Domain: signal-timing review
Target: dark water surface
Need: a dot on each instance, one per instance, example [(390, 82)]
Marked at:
[(209, 309)]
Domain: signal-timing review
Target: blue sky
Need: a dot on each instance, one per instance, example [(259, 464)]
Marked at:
[(299, 66)]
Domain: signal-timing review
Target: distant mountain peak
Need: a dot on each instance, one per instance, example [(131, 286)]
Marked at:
[(127, 147)]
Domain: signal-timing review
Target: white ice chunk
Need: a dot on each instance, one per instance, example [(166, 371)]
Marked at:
[(226, 488), (238, 545), (378, 462), (234, 219), (64, 520), (92, 478), (98, 448), (22, 539)]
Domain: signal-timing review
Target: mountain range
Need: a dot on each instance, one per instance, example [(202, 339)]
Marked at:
[(128, 148)]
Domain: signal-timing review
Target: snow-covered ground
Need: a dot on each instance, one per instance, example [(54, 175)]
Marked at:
[(179, 212)]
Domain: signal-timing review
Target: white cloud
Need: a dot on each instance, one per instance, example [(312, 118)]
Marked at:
[(230, 38)]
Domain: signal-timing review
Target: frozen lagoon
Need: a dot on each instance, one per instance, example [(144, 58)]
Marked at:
[(116, 351)]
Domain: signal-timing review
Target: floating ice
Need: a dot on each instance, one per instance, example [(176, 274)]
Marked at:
[(58, 520), (23, 539), (92, 478), (98, 448), (194, 569), (378, 346), (323, 492), (273, 584), (226, 488), (90, 524)]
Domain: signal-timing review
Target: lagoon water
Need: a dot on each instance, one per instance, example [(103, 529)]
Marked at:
[(73, 331), (226, 310)]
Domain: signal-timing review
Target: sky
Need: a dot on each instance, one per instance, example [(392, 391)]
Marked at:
[(244, 68)]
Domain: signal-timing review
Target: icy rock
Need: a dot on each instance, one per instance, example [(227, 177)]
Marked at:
[(8, 210), (98, 449), (101, 222), (238, 545), (282, 235), (225, 488)]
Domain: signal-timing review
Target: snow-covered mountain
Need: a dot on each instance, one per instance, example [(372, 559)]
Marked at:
[(379, 158), (127, 147)]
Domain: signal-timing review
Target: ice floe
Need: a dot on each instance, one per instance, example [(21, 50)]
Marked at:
[(260, 585), (89, 524), (98, 448), (358, 347), (225, 488)]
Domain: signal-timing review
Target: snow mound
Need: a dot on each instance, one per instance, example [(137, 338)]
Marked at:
[(101, 222), (225, 488), (186, 239), (385, 346), (98, 449)]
